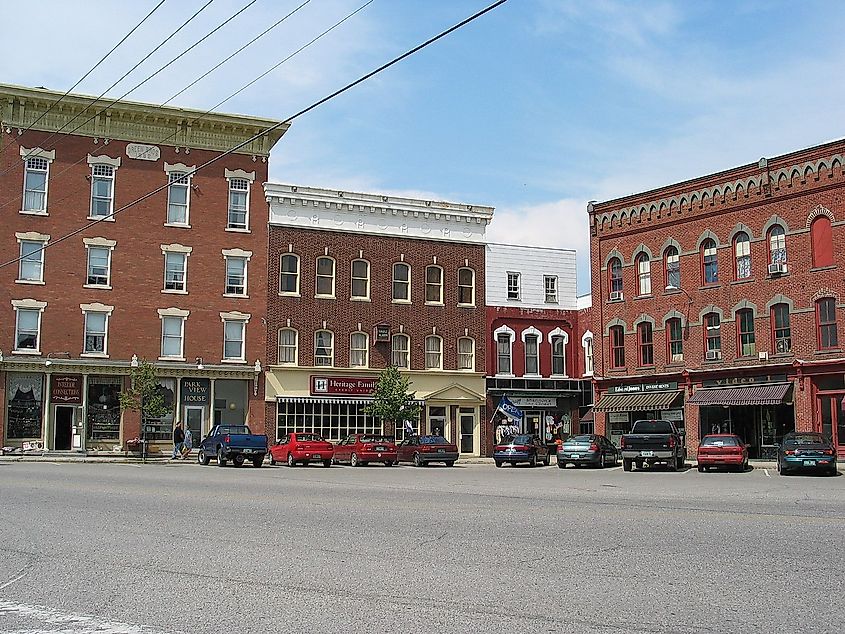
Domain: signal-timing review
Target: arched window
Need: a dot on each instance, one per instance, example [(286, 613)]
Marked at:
[(587, 345), (401, 282), (617, 346), (289, 274), (466, 287), (325, 277), (360, 279), (288, 340), (709, 262), (822, 240), (746, 342), (645, 343), (433, 285), (401, 351), (359, 349), (781, 329), (466, 354), (674, 340), (532, 354), (324, 348), (826, 323), (503, 353), (644, 274), (742, 256), (614, 269), (433, 353), (673, 267), (712, 337), (558, 355), (777, 245)]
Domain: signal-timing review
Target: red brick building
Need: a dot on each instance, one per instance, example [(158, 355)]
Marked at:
[(358, 282), (717, 302), (176, 279)]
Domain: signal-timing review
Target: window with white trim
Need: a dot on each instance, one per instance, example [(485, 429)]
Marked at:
[(172, 336), (175, 271), (36, 175), (401, 282), (558, 355), (324, 348), (325, 277), (289, 274), (27, 329), (360, 279), (532, 354), (31, 265), (433, 353), (503, 353), (466, 287), (587, 345), (178, 198), (238, 204), (288, 346), (550, 285), (99, 266), (102, 190), (401, 351), (433, 285), (513, 285), (466, 354), (234, 331), (236, 276), (96, 332), (359, 349)]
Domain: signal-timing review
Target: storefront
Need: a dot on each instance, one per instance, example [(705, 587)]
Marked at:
[(624, 404), (829, 408)]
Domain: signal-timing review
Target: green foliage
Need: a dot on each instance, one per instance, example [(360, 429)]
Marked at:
[(144, 395), (392, 401)]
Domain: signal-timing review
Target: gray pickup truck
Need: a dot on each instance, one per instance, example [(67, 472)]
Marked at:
[(653, 442)]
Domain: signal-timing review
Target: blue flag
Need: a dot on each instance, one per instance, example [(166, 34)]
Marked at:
[(509, 409)]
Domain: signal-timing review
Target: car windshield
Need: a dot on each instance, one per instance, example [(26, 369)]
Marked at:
[(524, 439), (652, 427), (234, 429), (376, 439), (433, 440), (805, 439), (580, 440), (308, 438), (719, 441)]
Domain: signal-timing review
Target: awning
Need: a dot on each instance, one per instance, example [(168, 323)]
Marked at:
[(636, 402), (329, 399), (588, 416), (770, 394)]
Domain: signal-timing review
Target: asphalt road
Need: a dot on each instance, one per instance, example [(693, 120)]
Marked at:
[(146, 549)]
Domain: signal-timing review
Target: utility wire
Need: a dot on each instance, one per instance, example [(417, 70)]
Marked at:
[(276, 126)]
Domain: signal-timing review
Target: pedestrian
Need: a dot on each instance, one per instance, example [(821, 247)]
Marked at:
[(409, 429), (178, 440), (188, 443)]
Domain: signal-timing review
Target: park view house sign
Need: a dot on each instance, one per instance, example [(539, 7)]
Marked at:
[(343, 385)]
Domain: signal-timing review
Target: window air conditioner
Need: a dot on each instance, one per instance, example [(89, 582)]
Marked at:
[(616, 296), (713, 355), (677, 358), (763, 356), (777, 268)]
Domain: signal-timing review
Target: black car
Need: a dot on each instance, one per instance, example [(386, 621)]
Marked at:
[(590, 449), (810, 451), (523, 448)]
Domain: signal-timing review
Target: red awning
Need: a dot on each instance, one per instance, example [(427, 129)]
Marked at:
[(770, 394)]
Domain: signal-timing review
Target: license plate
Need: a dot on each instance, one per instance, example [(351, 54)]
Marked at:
[(441, 451), (380, 448), (809, 463), (249, 450), (575, 455), (647, 454)]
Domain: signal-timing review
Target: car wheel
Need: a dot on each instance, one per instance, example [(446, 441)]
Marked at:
[(672, 465), (257, 462), (600, 463), (561, 465), (291, 461), (221, 459), (272, 460), (353, 460), (701, 468), (626, 464), (450, 463), (238, 460), (417, 460), (513, 464), (202, 458), (389, 463), (681, 463), (498, 463), (533, 462), (547, 461), (327, 463)]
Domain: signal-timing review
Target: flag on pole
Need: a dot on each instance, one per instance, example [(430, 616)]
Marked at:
[(509, 409)]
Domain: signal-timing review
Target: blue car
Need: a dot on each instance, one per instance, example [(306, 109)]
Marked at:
[(523, 448), (806, 451)]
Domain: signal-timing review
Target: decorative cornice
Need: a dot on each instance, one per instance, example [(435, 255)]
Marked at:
[(29, 303), (176, 248), (50, 155), (99, 242), (173, 312), (103, 159), (178, 167), (236, 253), (250, 176), (33, 236)]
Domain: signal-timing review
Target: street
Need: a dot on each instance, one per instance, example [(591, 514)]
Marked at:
[(118, 548)]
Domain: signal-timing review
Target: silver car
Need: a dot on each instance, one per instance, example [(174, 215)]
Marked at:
[(590, 449)]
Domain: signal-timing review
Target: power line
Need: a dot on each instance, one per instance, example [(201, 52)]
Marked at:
[(276, 126)]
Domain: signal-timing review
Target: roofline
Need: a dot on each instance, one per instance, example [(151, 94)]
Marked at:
[(528, 246)]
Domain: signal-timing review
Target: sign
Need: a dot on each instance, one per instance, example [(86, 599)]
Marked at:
[(675, 415), (617, 417), (143, 152), (67, 388), (744, 380), (534, 402), (640, 388), (196, 391), (343, 385), (382, 332)]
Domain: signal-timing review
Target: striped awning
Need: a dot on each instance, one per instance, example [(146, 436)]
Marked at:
[(636, 402), (770, 394)]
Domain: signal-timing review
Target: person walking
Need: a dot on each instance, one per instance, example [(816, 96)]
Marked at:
[(188, 443), (178, 440)]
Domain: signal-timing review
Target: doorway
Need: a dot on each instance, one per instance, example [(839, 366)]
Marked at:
[(437, 422), (63, 427), (832, 416), (195, 421), (466, 427), (532, 423)]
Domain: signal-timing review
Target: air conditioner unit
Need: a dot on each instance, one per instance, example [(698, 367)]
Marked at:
[(677, 358), (763, 356), (778, 268), (616, 296), (713, 355)]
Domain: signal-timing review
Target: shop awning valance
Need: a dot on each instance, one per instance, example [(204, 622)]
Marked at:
[(770, 394), (636, 402)]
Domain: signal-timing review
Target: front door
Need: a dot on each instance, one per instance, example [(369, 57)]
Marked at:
[(830, 412), (195, 421), (437, 421), (63, 427), (532, 423), (466, 429)]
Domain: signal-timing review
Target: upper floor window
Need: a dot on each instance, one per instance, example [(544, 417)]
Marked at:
[(175, 271), (644, 274), (709, 262), (674, 340), (503, 353), (99, 262), (288, 346), (617, 346), (234, 331), (28, 325), (826, 322), (558, 355), (513, 285), (777, 245), (550, 284), (781, 328), (746, 341), (433, 285), (822, 242), (178, 198), (96, 332), (645, 337), (742, 255), (673, 267), (102, 190), (360, 279), (359, 350), (325, 277), (401, 350), (712, 336), (433, 353), (587, 344), (614, 268), (238, 217), (35, 178), (466, 354), (532, 354), (172, 336), (289, 274), (31, 265), (401, 282), (466, 287), (324, 348), (236, 276)]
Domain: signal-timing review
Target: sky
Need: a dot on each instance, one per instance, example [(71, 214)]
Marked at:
[(535, 108)]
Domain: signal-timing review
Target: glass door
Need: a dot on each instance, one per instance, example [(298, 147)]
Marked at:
[(195, 422), (437, 421), (466, 426)]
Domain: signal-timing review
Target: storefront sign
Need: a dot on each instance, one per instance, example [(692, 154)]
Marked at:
[(675, 415), (744, 380), (617, 417), (382, 332), (639, 388), (67, 388), (343, 385), (533, 402), (143, 152), (196, 391)]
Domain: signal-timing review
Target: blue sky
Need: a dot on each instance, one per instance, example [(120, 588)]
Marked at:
[(535, 108)]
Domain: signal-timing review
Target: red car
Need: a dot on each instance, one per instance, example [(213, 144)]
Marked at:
[(300, 448), (360, 449), (422, 450), (722, 450)]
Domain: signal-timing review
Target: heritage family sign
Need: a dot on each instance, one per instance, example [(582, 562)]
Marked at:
[(343, 385)]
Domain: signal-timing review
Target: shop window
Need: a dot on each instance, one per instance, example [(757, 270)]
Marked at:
[(103, 424), (781, 329), (614, 269), (289, 274), (644, 274), (325, 277), (288, 346), (746, 342), (712, 336), (334, 421), (673, 267), (822, 242), (709, 262), (433, 353), (674, 340), (401, 351), (401, 282), (160, 429), (742, 256), (324, 348), (466, 354), (645, 341), (617, 346), (466, 287), (24, 394), (532, 355), (360, 279), (359, 346), (503, 354), (777, 245), (826, 322)]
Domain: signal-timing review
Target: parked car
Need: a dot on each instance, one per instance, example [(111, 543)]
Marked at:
[(722, 450), (423, 450), (806, 451), (232, 442), (523, 448), (589, 449), (653, 442), (360, 449), (300, 448)]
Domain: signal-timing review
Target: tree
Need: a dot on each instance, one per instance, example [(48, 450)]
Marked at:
[(393, 403), (143, 394)]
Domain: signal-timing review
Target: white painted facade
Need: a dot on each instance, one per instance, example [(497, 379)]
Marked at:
[(533, 264), (377, 214)]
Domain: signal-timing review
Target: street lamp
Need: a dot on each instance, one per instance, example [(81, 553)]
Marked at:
[(671, 288)]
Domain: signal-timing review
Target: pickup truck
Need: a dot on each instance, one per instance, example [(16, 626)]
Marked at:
[(232, 442), (651, 442)]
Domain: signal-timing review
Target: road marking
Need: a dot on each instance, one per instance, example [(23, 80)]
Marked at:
[(69, 622), (614, 469), (766, 471)]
